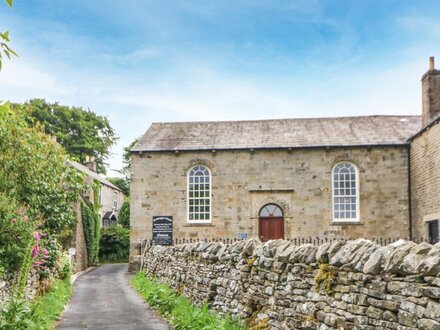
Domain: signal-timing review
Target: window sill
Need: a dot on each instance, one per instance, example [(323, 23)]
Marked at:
[(195, 224), (343, 223)]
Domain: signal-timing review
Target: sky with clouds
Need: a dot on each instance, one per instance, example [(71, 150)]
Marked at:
[(142, 61)]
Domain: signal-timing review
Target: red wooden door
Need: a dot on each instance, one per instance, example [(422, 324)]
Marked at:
[(271, 228)]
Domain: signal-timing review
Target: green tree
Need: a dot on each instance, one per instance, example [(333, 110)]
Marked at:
[(121, 183), (124, 214), (34, 172), (126, 160), (81, 132), (114, 244), (4, 40)]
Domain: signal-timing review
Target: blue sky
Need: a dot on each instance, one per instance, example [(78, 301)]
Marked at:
[(139, 62)]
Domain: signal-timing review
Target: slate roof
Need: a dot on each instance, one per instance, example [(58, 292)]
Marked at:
[(92, 174), (280, 133)]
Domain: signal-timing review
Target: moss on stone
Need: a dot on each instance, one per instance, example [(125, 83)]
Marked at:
[(324, 278)]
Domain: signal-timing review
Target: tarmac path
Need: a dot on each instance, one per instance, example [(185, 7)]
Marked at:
[(104, 299)]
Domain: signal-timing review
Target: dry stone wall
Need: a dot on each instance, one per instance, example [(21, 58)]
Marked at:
[(30, 290), (353, 285)]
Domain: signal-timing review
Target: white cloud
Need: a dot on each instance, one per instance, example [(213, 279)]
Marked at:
[(424, 24), (133, 92)]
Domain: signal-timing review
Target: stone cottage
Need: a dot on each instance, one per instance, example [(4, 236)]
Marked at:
[(110, 198), (367, 176)]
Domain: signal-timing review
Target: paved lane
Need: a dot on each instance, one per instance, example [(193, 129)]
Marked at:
[(104, 299)]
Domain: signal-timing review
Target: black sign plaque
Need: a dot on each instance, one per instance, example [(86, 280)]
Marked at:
[(163, 230)]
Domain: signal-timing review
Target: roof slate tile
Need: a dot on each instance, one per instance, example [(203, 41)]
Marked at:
[(279, 133)]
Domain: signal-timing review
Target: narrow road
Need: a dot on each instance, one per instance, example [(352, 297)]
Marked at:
[(104, 299)]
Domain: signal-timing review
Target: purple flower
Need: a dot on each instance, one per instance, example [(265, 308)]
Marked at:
[(34, 252)]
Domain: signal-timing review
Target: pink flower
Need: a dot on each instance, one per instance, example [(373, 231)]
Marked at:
[(37, 263), (25, 218), (34, 252), (36, 237)]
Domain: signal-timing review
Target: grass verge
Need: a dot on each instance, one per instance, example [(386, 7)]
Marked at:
[(178, 310), (41, 313), (47, 309)]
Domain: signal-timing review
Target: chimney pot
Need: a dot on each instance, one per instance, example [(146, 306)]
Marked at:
[(90, 163), (430, 94), (431, 63)]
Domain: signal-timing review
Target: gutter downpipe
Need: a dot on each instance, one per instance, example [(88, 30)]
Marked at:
[(410, 231)]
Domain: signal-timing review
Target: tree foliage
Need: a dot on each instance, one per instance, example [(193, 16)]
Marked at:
[(15, 234), (90, 220), (81, 132), (124, 214), (126, 160), (121, 183), (34, 172), (5, 50), (114, 244)]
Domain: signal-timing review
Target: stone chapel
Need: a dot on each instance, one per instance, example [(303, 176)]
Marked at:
[(366, 176)]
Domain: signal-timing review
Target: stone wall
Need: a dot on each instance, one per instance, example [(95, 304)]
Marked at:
[(33, 284), (356, 285), (425, 179), (299, 181)]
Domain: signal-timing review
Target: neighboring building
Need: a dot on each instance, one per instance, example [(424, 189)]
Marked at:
[(110, 197), (323, 177), (425, 161)]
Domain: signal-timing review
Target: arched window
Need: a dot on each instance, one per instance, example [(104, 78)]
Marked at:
[(270, 210), (199, 194), (345, 192)]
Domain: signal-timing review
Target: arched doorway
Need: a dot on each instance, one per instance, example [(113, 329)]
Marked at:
[(271, 222)]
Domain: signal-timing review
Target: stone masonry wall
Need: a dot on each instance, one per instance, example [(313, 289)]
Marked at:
[(425, 179), (353, 285), (299, 181)]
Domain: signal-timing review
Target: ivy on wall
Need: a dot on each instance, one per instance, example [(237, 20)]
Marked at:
[(90, 219)]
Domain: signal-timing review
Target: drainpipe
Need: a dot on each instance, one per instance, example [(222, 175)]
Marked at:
[(410, 229)]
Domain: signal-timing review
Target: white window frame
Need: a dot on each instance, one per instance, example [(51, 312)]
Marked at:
[(356, 171), (209, 196)]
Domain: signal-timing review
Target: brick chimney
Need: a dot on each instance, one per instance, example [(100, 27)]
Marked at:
[(430, 94), (90, 163)]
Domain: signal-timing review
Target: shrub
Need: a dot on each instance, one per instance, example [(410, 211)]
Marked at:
[(34, 172), (15, 234), (90, 219), (114, 244), (177, 309), (124, 214), (16, 314)]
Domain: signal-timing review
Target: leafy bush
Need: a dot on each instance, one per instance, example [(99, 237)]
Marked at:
[(34, 172), (47, 309), (90, 220), (20, 314), (15, 234), (124, 214), (177, 309), (114, 244), (16, 314)]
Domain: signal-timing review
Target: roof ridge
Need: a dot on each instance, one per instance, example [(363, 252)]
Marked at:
[(279, 119)]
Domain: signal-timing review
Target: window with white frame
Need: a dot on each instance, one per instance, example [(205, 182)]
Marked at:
[(199, 194), (345, 192)]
